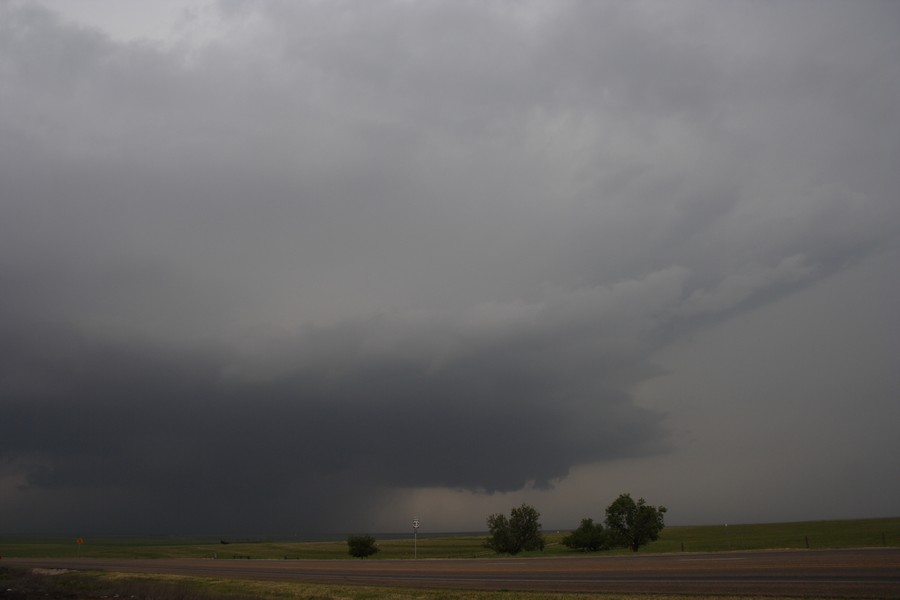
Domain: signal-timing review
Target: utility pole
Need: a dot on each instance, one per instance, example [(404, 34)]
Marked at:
[(415, 537)]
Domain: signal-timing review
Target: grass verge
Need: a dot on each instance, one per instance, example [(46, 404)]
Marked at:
[(34, 584)]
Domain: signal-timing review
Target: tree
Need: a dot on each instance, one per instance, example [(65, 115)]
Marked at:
[(362, 546), (632, 524), (589, 536), (521, 531)]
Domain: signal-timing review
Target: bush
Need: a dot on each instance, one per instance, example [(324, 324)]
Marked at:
[(362, 546), (589, 537)]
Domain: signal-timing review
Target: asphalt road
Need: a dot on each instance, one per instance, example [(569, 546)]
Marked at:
[(869, 573)]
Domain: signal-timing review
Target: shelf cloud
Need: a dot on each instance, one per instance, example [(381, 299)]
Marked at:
[(276, 267)]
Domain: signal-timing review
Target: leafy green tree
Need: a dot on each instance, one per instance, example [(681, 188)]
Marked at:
[(589, 536), (524, 522), (362, 546), (521, 531), (633, 524), (500, 539)]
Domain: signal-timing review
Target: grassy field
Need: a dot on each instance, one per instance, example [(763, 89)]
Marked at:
[(29, 585), (862, 533), (812, 534)]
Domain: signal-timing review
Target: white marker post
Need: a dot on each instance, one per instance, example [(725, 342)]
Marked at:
[(415, 537)]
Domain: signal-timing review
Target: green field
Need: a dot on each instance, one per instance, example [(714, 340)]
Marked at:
[(812, 534), (862, 533), (96, 584)]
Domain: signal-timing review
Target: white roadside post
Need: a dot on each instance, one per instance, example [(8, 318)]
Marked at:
[(415, 537)]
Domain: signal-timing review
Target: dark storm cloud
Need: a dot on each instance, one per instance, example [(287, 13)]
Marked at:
[(341, 249), (166, 423)]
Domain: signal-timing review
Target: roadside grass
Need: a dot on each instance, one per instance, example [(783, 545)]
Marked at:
[(859, 533), (27, 584), (710, 538)]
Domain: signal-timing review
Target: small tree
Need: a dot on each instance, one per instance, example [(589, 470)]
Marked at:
[(633, 524), (362, 546), (589, 536), (500, 539), (521, 531)]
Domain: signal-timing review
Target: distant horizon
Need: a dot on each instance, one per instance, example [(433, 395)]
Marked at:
[(335, 537)]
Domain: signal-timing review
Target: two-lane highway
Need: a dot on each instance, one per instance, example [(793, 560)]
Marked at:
[(869, 573)]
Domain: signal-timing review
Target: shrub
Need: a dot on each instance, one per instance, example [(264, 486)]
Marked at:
[(362, 546), (589, 537)]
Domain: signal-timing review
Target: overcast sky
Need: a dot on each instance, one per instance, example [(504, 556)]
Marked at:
[(281, 267)]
